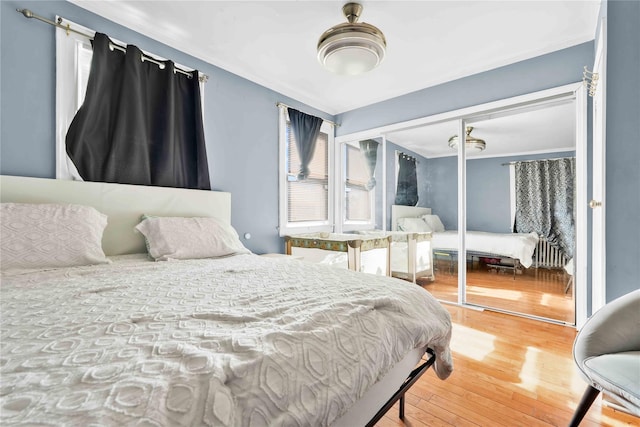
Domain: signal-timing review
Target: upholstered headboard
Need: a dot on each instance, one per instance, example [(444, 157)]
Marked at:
[(400, 211), (123, 204)]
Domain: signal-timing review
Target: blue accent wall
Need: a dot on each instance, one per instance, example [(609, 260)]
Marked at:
[(622, 200), (421, 175), (442, 184), (547, 71), (240, 119), (488, 207)]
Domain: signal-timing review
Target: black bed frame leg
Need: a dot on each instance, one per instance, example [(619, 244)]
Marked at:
[(399, 395)]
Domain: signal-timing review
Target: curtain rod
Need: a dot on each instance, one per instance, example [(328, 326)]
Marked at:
[(537, 160), (282, 104), (29, 14), (409, 156)]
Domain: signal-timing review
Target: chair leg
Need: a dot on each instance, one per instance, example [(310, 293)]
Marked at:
[(588, 397)]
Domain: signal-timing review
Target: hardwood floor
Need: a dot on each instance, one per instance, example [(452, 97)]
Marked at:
[(538, 292), (508, 371)]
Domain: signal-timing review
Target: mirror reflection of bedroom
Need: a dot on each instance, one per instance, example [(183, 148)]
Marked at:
[(520, 220)]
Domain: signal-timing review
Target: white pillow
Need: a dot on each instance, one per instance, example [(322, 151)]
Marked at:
[(413, 225), (434, 222), (189, 238), (50, 236)]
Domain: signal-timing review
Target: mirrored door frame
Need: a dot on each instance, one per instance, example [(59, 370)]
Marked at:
[(575, 92)]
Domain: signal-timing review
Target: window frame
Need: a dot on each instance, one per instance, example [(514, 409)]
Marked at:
[(67, 92), (285, 227), (345, 224)]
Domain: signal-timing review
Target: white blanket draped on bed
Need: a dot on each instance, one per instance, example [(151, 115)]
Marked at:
[(513, 245), (241, 341)]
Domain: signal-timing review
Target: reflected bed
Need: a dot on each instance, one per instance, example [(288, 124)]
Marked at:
[(517, 247)]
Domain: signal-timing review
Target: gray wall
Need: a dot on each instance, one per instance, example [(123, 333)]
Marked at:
[(241, 119), (543, 72), (623, 147), (442, 189), (488, 207)]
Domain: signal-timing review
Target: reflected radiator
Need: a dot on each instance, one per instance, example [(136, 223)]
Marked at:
[(548, 256)]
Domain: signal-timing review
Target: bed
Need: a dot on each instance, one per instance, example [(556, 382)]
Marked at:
[(504, 250), (237, 340)]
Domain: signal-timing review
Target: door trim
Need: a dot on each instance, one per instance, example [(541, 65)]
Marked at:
[(598, 249)]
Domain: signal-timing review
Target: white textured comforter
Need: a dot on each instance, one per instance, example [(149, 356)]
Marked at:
[(241, 341), (513, 245)]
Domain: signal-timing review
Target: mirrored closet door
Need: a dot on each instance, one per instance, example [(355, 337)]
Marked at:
[(512, 176), (436, 209), (520, 194)]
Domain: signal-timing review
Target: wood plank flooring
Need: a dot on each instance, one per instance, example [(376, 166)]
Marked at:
[(508, 371), (539, 292)]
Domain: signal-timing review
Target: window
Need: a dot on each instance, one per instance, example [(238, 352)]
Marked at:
[(359, 203), (306, 205), (73, 64)]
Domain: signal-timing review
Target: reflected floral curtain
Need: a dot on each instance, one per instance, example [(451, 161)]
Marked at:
[(545, 191), (369, 149), (407, 189), (306, 129)]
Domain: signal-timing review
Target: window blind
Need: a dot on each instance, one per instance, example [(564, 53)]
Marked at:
[(308, 200), (357, 197)]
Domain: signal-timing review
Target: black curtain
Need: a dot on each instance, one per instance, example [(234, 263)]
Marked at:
[(305, 130), (407, 190), (140, 123), (369, 148)]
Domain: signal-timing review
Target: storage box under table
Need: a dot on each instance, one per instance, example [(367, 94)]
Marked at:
[(411, 254)]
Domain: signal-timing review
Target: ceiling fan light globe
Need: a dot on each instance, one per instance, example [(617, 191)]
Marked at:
[(348, 59), (351, 48), (472, 145), (475, 147)]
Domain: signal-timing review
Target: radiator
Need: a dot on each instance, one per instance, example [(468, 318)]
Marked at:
[(548, 256)]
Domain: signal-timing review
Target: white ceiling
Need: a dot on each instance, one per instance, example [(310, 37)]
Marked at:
[(550, 128), (273, 43)]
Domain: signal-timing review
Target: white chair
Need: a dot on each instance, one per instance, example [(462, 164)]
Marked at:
[(607, 352)]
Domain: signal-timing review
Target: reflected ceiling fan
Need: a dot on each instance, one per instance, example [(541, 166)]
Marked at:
[(471, 143)]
